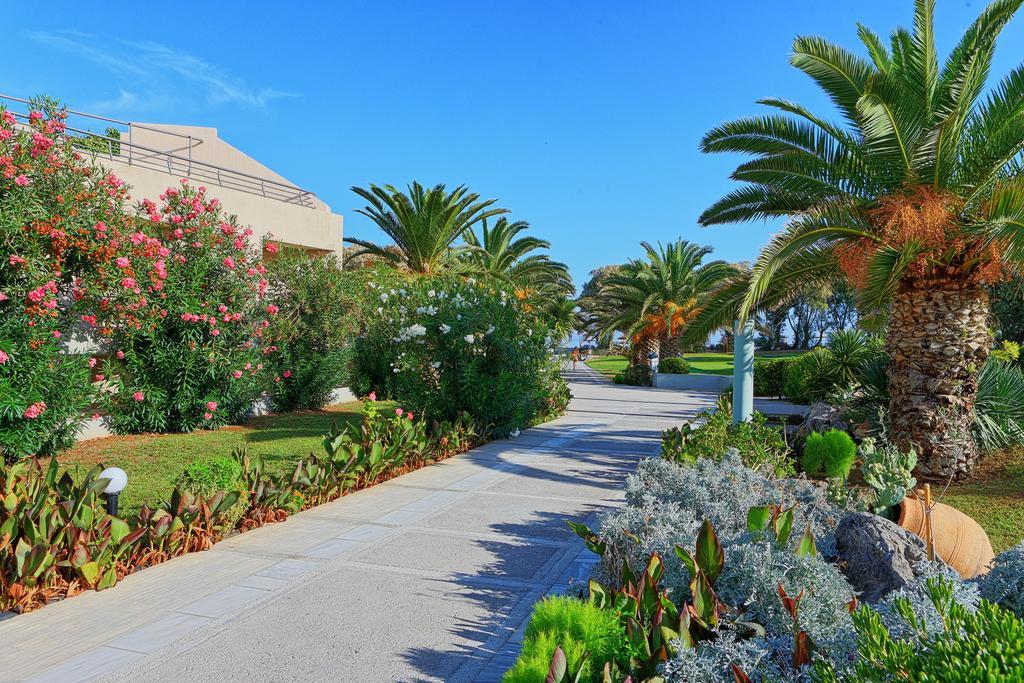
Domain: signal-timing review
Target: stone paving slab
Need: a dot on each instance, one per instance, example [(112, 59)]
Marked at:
[(427, 577)]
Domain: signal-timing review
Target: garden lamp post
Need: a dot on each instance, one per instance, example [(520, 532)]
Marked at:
[(118, 479), (743, 371)]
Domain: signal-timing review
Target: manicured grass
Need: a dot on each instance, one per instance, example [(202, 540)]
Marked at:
[(994, 497), (609, 366), (154, 461), (700, 363)]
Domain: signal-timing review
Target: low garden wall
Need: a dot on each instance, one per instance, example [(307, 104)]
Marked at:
[(692, 382)]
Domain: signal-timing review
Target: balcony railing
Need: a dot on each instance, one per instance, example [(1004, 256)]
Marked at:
[(177, 163)]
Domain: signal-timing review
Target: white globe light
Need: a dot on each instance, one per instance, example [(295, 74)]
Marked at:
[(118, 479)]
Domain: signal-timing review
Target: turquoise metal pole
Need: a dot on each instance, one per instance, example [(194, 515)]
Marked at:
[(743, 372)]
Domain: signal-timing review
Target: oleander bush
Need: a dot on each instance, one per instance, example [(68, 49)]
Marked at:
[(321, 310), (446, 345), (675, 365), (197, 356), (63, 226)]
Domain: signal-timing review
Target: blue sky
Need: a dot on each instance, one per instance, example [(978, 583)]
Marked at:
[(581, 118)]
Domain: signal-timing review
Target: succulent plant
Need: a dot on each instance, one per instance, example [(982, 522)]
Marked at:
[(888, 471)]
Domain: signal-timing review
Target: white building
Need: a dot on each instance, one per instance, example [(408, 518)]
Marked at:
[(152, 157)]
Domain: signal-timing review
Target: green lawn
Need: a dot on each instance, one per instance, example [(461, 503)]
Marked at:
[(994, 497), (154, 461), (700, 363)]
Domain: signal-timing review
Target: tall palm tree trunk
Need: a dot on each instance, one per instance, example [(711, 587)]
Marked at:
[(938, 340), (639, 350), (668, 345)]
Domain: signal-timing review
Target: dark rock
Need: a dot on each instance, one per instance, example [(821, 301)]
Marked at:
[(820, 417), (878, 556)]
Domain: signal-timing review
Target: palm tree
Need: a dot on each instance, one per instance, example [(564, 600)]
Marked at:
[(424, 223), (502, 254), (562, 315), (916, 197), (655, 299)]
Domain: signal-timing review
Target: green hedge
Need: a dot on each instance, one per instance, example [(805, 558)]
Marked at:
[(770, 375), (675, 365)]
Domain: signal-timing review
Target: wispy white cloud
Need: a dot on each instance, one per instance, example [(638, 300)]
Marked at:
[(148, 72)]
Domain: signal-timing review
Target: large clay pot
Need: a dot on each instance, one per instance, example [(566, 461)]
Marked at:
[(959, 540)]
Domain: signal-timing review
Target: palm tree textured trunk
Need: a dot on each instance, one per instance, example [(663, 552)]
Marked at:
[(668, 346), (938, 341)]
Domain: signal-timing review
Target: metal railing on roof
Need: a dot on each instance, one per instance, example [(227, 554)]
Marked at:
[(178, 162)]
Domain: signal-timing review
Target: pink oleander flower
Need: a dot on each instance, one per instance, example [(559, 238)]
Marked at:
[(211, 405), (92, 362), (122, 262), (129, 283), (398, 412), (35, 410), (15, 260), (56, 334), (215, 332), (139, 396), (372, 396), (409, 415), (286, 374), (100, 378), (237, 374), (34, 116), (229, 262), (3, 357), (95, 416), (272, 248), (208, 416), (272, 309), (22, 181)]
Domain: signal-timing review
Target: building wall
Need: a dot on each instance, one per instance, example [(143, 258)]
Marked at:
[(309, 224)]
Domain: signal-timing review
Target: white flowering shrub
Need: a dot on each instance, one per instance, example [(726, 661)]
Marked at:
[(442, 345), (1004, 582)]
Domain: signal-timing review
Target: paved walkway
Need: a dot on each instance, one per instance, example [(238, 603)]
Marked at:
[(428, 577)]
